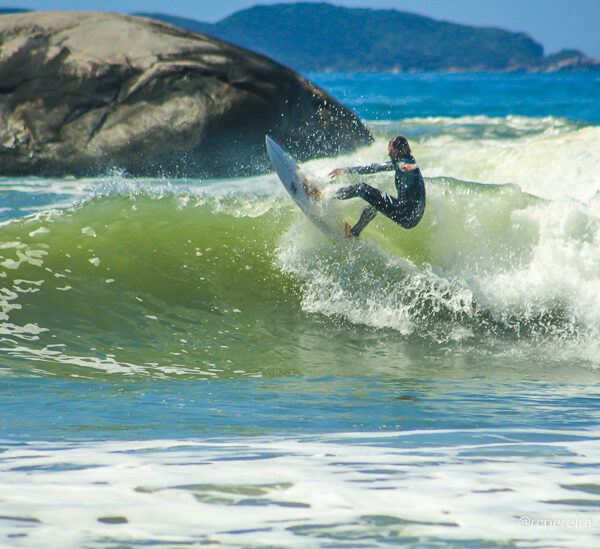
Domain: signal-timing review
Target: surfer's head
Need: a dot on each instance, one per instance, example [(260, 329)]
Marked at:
[(398, 148)]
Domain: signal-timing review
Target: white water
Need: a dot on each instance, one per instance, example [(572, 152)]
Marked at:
[(303, 492), (527, 251)]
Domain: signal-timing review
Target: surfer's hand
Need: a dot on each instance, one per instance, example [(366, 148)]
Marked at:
[(408, 167), (338, 171)]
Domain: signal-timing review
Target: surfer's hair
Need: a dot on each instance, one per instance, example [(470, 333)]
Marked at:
[(400, 145)]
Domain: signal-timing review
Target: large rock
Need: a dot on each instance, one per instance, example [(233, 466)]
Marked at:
[(84, 92)]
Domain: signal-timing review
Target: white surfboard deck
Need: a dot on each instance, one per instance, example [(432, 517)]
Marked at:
[(320, 211)]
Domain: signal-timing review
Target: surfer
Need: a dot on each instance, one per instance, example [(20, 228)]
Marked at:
[(406, 210)]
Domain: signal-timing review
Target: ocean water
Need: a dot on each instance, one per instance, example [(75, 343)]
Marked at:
[(190, 362)]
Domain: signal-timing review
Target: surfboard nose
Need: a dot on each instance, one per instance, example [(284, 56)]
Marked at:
[(273, 149)]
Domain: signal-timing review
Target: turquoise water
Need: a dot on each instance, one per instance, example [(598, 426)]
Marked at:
[(190, 362), (395, 96)]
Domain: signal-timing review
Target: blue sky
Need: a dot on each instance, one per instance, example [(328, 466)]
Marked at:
[(556, 24)]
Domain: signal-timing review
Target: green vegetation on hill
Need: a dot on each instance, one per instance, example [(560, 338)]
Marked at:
[(569, 61), (324, 37), (6, 11)]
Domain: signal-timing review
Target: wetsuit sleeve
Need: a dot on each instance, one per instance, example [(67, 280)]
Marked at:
[(372, 168)]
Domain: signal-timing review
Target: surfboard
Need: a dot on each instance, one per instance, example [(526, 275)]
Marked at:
[(305, 194)]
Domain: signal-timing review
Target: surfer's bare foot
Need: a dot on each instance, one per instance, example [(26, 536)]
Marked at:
[(312, 192), (348, 231), (337, 172)]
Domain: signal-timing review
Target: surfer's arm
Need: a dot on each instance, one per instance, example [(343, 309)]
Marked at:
[(371, 168)]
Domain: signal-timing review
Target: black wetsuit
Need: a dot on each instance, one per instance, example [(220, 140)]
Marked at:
[(406, 210)]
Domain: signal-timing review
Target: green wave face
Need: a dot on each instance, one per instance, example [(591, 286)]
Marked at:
[(195, 282), (139, 281)]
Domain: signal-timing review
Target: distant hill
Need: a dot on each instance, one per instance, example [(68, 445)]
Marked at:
[(327, 38), (569, 61), (324, 37), (6, 11)]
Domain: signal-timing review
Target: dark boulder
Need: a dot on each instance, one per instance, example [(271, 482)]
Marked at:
[(84, 92)]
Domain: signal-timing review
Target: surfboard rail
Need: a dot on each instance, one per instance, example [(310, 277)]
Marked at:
[(304, 192)]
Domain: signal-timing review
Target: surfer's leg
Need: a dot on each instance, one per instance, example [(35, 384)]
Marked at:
[(406, 214), (366, 217), (399, 211), (378, 201), (382, 202), (351, 191)]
